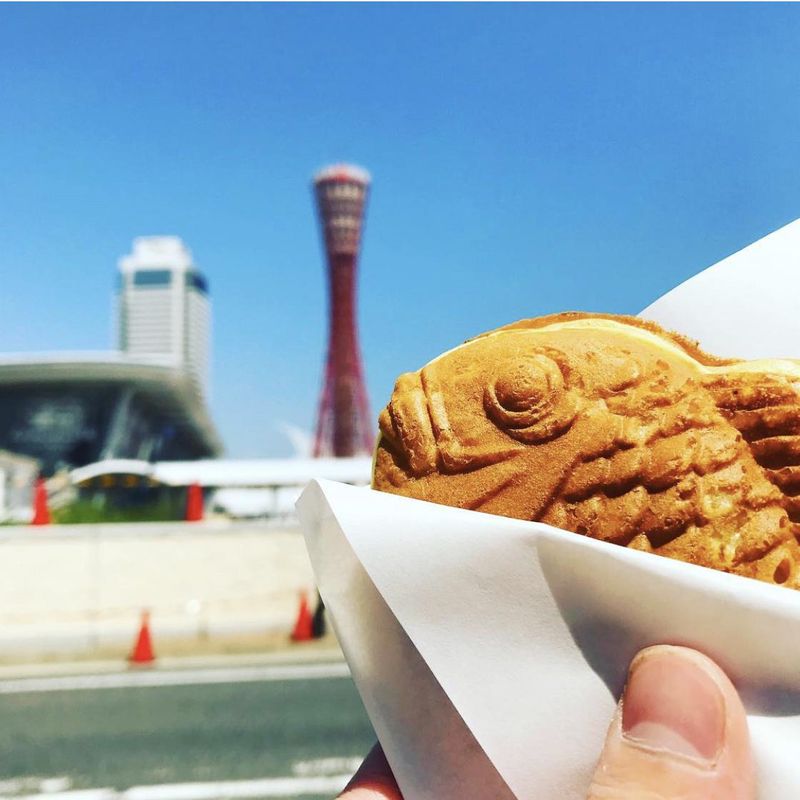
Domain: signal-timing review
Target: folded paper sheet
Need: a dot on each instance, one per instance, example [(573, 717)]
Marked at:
[(744, 306), (489, 652), (488, 649)]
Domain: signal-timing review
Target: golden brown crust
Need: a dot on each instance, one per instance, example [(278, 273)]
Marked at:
[(640, 441), (690, 346)]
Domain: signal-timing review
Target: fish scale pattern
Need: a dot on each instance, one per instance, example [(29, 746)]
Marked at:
[(680, 481), (767, 414)]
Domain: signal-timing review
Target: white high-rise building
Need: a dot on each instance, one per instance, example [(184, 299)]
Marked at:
[(164, 309)]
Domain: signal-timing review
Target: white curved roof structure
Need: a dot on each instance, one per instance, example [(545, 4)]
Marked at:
[(233, 473), (165, 388)]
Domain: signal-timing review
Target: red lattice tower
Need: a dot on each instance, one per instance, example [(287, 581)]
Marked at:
[(344, 425)]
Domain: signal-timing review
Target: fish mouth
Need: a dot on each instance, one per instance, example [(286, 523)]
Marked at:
[(406, 425)]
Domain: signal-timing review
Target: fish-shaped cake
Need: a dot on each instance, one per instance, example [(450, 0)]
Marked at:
[(610, 427)]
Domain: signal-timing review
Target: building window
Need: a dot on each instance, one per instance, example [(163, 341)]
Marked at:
[(152, 277), (197, 281)]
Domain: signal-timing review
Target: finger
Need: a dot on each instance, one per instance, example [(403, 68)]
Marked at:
[(680, 732), (374, 780)]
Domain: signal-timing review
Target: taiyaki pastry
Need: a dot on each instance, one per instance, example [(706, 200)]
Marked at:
[(611, 427)]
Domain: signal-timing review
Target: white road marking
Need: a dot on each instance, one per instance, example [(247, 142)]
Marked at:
[(265, 787), (34, 783), (59, 784), (220, 790), (177, 677), (77, 794), (327, 766)]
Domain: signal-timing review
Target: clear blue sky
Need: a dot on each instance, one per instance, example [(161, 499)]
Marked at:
[(526, 159)]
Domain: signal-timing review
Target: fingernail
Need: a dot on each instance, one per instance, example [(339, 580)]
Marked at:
[(672, 704)]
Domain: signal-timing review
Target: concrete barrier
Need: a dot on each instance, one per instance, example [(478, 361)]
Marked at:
[(82, 587)]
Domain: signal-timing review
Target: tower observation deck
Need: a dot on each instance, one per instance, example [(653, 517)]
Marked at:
[(344, 426)]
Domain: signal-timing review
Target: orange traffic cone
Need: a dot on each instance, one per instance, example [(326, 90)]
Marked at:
[(194, 503), (142, 652), (41, 513), (303, 627)]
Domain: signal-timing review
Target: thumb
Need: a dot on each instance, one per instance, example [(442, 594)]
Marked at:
[(680, 732), (373, 781)]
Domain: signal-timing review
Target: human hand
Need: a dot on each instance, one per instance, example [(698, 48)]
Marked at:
[(679, 733)]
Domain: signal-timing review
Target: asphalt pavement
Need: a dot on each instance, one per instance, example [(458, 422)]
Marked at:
[(201, 732)]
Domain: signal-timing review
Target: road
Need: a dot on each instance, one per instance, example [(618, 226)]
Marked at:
[(275, 731)]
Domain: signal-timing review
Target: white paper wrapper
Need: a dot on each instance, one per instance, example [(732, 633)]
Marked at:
[(746, 305), (489, 652)]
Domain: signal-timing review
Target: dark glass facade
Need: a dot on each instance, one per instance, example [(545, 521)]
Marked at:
[(65, 426), (152, 277), (197, 281), (163, 277)]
